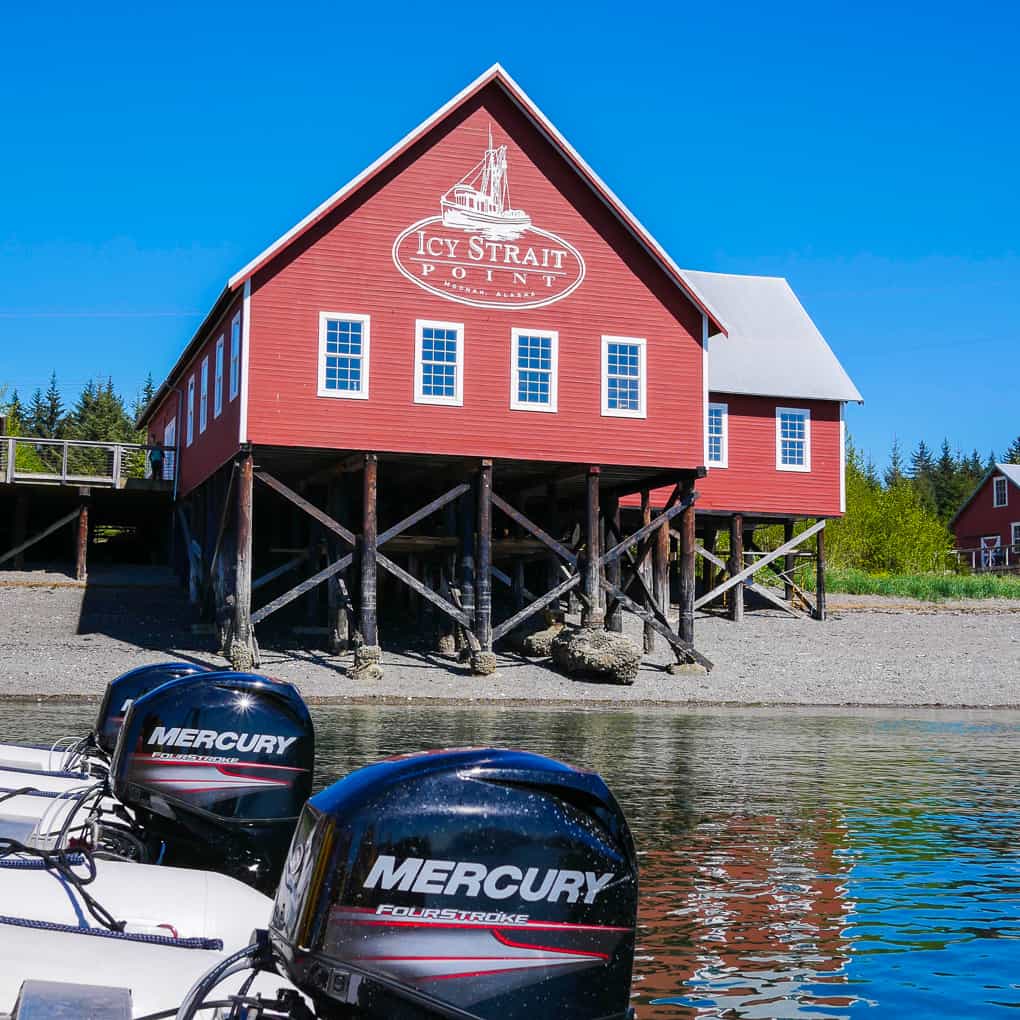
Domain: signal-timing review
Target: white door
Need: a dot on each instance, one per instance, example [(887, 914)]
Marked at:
[(169, 454), (990, 555)]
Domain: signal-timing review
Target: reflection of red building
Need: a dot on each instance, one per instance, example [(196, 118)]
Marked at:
[(745, 923)]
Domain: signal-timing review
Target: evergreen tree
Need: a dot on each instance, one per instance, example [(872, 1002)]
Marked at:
[(871, 473), (1012, 454), (894, 472), (991, 461), (15, 414), (53, 410), (36, 419), (922, 475), (148, 390), (946, 482)]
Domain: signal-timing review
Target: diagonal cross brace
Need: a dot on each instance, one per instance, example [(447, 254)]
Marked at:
[(423, 590), (535, 607), (309, 508), (307, 585), (747, 572), (543, 536), (758, 589), (667, 515)]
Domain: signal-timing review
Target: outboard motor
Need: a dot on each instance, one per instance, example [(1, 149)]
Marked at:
[(217, 767), (473, 883), (126, 688)]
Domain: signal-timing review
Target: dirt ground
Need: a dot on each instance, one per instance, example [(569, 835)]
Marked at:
[(62, 640)]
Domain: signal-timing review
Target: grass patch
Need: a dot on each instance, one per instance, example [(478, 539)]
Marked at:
[(928, 587)]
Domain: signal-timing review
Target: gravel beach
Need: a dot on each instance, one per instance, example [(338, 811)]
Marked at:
[(60, 640)]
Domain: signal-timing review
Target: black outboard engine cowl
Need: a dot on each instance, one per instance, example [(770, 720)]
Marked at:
[(129, 686), (470, 883), (218, 767)]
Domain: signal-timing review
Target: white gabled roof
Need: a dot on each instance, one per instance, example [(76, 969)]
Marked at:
[(497, 74), (772, 349), (1008, 471)]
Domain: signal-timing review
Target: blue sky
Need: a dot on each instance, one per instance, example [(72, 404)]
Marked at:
[(868, 152)]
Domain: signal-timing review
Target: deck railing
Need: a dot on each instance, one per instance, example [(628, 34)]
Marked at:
[(1003, 557), (77, 462)]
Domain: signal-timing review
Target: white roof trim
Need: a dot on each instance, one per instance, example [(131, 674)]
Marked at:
[(629, 220)]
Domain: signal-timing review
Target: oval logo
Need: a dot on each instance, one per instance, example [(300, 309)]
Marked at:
[(481, 251)]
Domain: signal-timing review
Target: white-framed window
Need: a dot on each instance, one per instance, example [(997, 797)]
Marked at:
[(1000, 491), (438, 362), (623, 377), (190, 435), (218, 380), (533, 369), (203, 399), (235, 356), (343, 355), (717, 439), (170, 449), (1014, 534), (793, 439)]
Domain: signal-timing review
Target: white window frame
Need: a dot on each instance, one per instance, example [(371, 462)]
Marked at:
[(457, 400), (218, 378), (616, 412), (366, 333), (996, 505), (725, 444), (806, 412), (170, 449), (1014, 534), (235, 356), (189, 438), (516, 404), (203, 397)]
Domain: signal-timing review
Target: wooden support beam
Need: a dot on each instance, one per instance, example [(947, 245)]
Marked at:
[(39, 536), (684, 651), (644, 566), (686, 562), (21, 503), (504, 628), (423, 590), (646, 529), (530, 526), (789, 562), (283, 568), (707, 568), (736, 567), (224, 517), (242, 652), (742, 576), (820, 574), (660, 568), (751, 585), (614, 613), (483, 560), (369, 552), (81, 569), (309, 508), (466, 550), (593, 615), (425, 511), (296, 592)]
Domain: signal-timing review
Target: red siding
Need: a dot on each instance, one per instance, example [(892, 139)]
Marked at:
[(344, 264), (209, 449), (751, 483), (979, 518)]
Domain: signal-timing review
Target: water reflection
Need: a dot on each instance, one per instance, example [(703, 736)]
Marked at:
[(793, 864)]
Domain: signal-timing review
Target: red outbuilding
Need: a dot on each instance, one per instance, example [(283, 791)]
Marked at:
[(476, 330), (987, 526)]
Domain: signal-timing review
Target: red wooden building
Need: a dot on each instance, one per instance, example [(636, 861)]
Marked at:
[(987, 526), (475, 327)]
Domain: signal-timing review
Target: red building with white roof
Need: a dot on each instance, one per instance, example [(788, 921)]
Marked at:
[(476, 323), (987, 526)]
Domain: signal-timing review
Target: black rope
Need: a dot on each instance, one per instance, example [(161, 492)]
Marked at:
[(62, 860)]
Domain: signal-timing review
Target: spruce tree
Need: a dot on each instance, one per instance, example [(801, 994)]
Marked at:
[(894, 472), (1012, 454), (53, 410), (945, 483), (922, 475)]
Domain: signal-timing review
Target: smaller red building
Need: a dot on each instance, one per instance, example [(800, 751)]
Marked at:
[(987, 526)]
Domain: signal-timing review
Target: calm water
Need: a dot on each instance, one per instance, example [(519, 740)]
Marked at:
[(793, 865)]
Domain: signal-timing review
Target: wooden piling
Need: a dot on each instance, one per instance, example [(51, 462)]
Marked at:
[(650, 638), (369, 539), (242, 645), (467, 552), (21, 501), (687, 568), (614, 620), (483, 562), (736, 565), (660, 567), (707, 566), (789, 561), (820, 575), (593, 614), (82, 544)]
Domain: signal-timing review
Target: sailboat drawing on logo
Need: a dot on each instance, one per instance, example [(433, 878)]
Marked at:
[(480, 200)]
